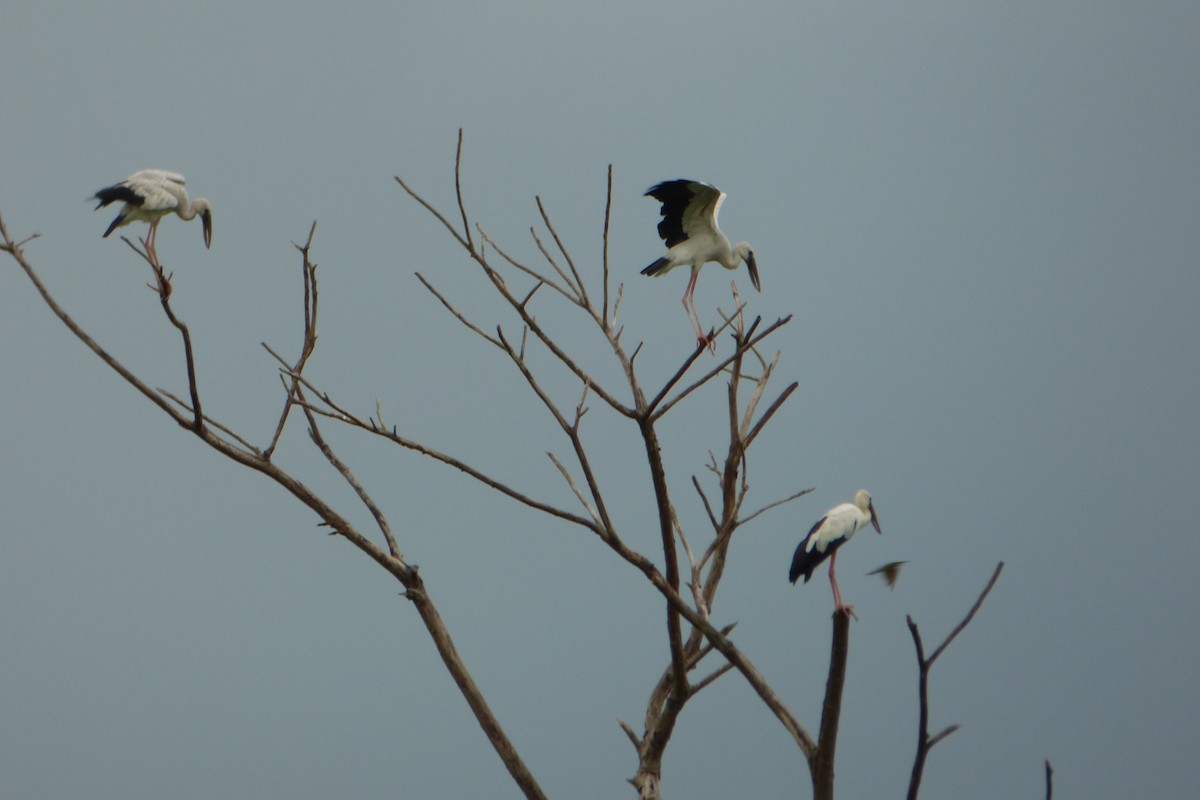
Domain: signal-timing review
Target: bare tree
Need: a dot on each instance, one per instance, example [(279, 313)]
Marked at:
[(694, 561)]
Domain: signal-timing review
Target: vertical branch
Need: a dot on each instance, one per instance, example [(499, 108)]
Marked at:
[(309, 344), (925, 742), (462, 209), (1049, 781), (604, 261), (821, 761), (667, 531), (197, 413), (163, 287), (733, 469)]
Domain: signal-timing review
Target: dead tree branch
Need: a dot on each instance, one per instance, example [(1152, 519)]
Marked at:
[(308, 345), (821, 761), (925, 742), (390, 560)]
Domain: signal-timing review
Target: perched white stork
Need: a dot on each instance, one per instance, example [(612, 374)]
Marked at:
[(149, 195), (689, 228), (831, 532)]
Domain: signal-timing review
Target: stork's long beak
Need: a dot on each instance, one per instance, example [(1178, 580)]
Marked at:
[(753, 267), (875, 519), (206, 223)]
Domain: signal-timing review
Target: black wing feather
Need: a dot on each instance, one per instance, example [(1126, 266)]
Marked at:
[(121, 193), (804, 561), (674, 196)]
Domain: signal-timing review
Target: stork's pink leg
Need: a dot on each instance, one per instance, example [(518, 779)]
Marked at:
[(150, 251), (689, 305), (838, 605), (164, 280)]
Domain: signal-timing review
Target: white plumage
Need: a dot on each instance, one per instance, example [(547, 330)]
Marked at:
[(833, 530), (148, 196), (689, 229)]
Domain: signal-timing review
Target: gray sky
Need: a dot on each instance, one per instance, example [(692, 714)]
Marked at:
[(982, 217)]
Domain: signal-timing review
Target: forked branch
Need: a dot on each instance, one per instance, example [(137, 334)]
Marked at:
[(926, 742)]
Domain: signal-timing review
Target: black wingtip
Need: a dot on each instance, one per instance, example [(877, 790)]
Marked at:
[(669, 188), (116, 223), (120, 192)]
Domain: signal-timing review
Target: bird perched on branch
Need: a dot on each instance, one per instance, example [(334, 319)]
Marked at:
[(825, 538), (689, 228), (148, 196)]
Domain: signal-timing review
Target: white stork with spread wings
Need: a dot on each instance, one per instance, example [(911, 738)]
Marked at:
[(689, 228)]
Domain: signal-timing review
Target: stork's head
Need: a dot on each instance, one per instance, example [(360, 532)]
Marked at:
[(203, 208), (743, 252), (862, 499)]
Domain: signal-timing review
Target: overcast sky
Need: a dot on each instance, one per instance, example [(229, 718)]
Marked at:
[(984, 220)]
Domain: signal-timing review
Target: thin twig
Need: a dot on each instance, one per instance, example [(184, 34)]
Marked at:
[(718, 672), (458, 191), (752, 434), (604, 258), (577, 298), (970, 614), (578, 282), (769, 506), (314, 431), (457, 314), (517, 265), (575, 489), (662, 406), (342, 414), (436, 214)]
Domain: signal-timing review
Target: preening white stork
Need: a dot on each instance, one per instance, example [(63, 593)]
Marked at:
[(831, 532), (149, 195), (689, 228)]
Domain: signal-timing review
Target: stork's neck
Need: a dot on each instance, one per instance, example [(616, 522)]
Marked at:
[(732, 257), (189, 210)]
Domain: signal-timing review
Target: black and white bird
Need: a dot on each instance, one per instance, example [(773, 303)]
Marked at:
[(831, 532), (148, 196), (689, 228)]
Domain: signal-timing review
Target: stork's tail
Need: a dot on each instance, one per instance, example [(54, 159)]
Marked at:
[(116, 223), (656, 267)]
